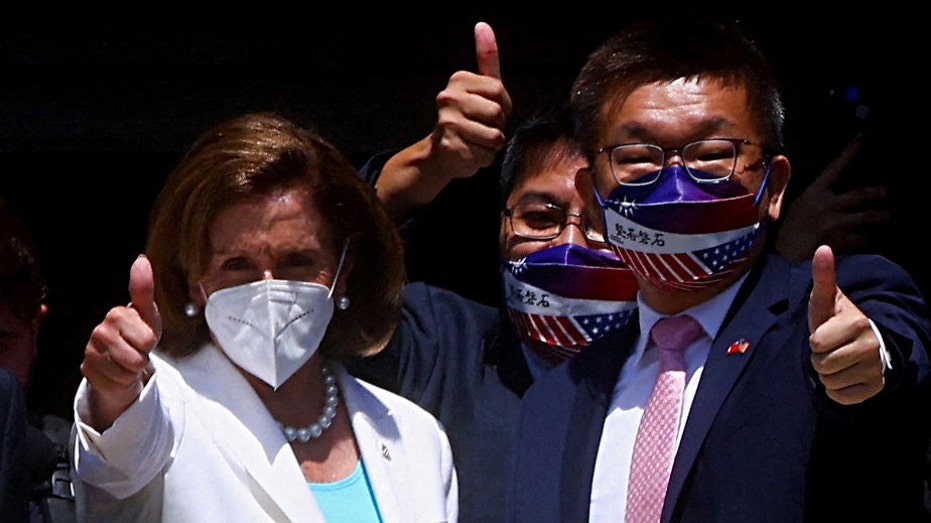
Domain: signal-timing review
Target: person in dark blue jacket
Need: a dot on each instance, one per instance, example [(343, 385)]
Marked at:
[(806, 391), (561, 287), (457, 356)]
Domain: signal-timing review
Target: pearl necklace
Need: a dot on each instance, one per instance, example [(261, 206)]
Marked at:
[(315, 429)]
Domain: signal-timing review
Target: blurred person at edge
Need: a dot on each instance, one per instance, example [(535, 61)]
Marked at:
[(14, 501), (23, 291)]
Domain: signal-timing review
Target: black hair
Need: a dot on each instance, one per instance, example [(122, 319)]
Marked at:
[(538, 132)]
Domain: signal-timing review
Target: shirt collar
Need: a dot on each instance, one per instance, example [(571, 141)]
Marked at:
[(709, 313)]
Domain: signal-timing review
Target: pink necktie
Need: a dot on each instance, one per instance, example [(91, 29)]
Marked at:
[(654, 447)]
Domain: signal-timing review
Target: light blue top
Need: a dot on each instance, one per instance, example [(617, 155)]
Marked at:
[(349, 500)]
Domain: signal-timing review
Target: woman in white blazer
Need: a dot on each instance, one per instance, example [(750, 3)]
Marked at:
[(218, 393)]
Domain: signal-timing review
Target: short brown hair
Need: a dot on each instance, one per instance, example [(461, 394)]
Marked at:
[(252, 155), (664, 49)]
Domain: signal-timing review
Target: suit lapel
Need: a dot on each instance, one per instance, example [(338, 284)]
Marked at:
[(594, 372), (753, 312), (371, 419)]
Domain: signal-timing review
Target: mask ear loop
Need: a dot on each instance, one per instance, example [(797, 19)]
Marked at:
[(759, 193), (602, 204), (339, 267)]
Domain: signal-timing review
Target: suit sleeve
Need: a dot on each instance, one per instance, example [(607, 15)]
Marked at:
[(440, 332), (13, 482), (123, 459), (893, 301)]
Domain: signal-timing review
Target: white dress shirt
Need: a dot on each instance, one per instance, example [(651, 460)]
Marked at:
[(633, 388)]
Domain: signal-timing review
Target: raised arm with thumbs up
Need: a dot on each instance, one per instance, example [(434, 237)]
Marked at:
[(472, 115), (271, 264), (845, 350), (116, 359)]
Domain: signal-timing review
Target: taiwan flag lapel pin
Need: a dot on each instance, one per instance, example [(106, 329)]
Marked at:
[(740, 346)]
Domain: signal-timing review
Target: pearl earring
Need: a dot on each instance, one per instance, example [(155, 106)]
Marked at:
[(191, 310), (342, 303)]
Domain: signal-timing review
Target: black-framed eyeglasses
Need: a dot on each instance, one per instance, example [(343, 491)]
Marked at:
[(707, 161), (545, 221)]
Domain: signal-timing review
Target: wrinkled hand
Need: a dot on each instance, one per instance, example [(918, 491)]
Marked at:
[(844, 349), (819, 216), (473, 113), (116, 359)]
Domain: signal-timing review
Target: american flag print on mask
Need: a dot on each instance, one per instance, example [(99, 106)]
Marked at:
[(686, 243), (559, 308), (679, 233)]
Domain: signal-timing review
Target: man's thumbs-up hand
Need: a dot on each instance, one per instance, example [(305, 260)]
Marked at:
[(473, 111), (472, 116), (845, 351)]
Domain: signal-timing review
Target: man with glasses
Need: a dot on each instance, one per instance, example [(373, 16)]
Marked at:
[(470, 363), (801, 390), (563, 288)]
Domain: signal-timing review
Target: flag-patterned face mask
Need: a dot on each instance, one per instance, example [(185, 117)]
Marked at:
[(682, 234), (563, 298)]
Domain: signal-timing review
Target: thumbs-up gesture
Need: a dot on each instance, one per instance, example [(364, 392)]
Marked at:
[(116, 360), (844, 348), (473, 112)]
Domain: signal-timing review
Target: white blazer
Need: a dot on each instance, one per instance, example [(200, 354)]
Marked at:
[(200, 446)]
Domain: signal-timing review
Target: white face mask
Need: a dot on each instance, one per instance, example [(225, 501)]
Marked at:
[(270, 328)]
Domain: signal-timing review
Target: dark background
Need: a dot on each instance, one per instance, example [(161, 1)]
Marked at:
[(93, 115)]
